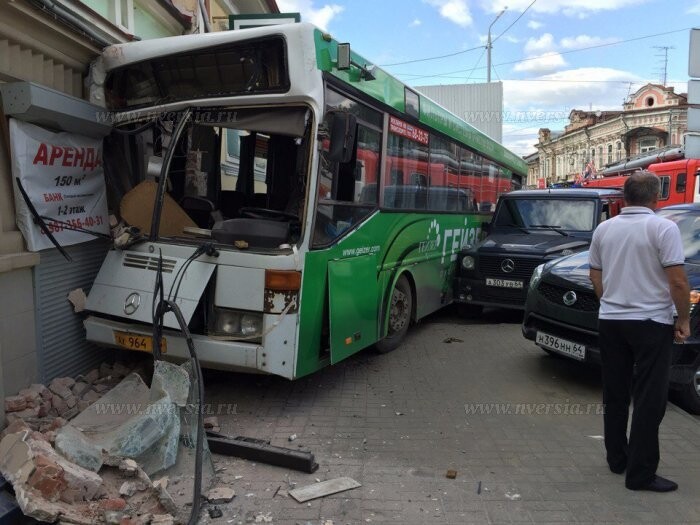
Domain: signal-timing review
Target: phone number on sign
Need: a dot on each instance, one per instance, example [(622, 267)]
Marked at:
[(70, 224)]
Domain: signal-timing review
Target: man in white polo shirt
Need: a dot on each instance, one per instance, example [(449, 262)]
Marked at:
[(636, 261)]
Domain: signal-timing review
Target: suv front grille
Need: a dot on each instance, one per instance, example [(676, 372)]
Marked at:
[(586, 301), (490, 265)]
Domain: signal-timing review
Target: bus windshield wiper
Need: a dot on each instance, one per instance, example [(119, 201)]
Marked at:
[(519, 227), (550, 227)]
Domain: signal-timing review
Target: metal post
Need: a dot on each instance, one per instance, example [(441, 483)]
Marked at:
[(488, 46)]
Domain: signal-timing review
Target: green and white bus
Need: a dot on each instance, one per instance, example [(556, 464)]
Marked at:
[(305, 204)]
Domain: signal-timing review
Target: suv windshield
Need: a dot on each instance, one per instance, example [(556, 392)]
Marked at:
[(688, 222), (546, 214)]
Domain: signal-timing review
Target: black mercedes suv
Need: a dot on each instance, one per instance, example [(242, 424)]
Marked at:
[(529, 227), (561, 312)]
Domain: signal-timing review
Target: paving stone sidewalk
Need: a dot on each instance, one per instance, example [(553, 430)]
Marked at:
[(521, 428)]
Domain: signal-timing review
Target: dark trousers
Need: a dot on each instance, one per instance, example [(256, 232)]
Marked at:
[(636, 357)]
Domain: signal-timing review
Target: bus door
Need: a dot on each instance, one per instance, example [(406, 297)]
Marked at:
[(353, 291)]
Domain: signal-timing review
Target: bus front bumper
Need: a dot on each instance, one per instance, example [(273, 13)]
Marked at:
[(212, 353)]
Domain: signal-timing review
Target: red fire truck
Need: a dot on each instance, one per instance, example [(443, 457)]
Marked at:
[(679, 176)]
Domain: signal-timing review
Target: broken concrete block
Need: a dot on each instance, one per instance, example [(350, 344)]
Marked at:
[(44, 408), (27, 413), (220, 494), (113, 517), (92, 376), (71, 401), (74, 446), (15, 427), (81, 484), (32, 397), (162, 519), (15, 403), (91, 396), (60, 405), (79, 388), (120, 370), (117, 504), (47, 478), (129, 488), (61, 386), (128, 467), (41, 390), (105, 370), (16, 458)]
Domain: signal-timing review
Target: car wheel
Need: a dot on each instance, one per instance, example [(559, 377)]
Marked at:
[(690, 393), (400, 310), (470, 311)]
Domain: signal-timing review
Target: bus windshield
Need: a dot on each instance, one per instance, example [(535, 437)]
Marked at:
[(237, 176)]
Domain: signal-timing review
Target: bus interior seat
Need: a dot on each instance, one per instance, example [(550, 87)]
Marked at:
[(199, 209)]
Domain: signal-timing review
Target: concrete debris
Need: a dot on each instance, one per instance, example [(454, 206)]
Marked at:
[(451, 474), (77, 298), (220, 494), (215, 512), (87, 479)]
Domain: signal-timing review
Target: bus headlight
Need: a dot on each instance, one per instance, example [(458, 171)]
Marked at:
[(235, 323), (536, 276), (468, 262)]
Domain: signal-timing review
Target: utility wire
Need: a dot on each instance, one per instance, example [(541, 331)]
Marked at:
[(476, 64), (546, 54), (433, 58), (514, 22)]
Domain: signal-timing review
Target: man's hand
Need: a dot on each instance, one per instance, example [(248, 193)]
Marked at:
[(681, 330)]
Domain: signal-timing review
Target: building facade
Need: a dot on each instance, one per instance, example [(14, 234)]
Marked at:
[(654, 117), (51, 43)]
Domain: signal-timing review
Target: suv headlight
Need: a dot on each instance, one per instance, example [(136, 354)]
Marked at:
[(694, 299), (536, 276), (468, 262)]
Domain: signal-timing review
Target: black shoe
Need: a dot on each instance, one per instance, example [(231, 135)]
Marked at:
[(618, 470), (658, 484)]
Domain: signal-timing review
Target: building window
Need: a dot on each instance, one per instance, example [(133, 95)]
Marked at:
[(647, 144), (122, 14), (610, 155), (618, 155)]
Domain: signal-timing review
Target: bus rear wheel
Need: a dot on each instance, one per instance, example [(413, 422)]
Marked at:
[(400, 310)]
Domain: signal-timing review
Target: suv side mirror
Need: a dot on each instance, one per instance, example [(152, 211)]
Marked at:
[(342, 141)]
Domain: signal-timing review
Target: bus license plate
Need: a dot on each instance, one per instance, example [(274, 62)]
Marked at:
[(504, 283), (138, 342), (562, 346)]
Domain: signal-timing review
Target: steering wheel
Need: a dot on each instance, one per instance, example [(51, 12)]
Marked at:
[(267, 213)]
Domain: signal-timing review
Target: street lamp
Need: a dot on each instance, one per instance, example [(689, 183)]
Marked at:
[(488, 46)]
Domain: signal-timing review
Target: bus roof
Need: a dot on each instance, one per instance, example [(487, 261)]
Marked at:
[(385, 88)]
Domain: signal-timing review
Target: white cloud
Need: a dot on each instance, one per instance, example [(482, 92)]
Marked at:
[(535, 46), (581, 41), (456, 11), (694, 10), (546, 101), (539, 65), (534, 24), (573, 8), (415, 23), (320, 17)]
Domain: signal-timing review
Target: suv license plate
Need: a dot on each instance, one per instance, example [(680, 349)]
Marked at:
[(562, 346), (504, 283)]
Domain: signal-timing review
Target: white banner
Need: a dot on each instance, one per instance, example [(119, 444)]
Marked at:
[(63, 177)]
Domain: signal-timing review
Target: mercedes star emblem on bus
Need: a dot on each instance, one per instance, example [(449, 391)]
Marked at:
[(569, 298), (508, 265), (132, 303)]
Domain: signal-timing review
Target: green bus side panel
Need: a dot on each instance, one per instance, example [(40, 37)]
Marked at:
[(423, 244), (353, 297)]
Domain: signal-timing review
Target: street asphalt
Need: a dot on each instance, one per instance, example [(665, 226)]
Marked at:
[(522, 429)]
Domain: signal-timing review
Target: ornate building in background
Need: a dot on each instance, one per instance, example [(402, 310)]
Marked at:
[(654, 117)]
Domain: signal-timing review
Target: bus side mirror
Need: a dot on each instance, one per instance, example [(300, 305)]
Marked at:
[(342, 137)]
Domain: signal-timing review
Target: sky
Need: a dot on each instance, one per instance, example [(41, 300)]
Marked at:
[(552, 56)]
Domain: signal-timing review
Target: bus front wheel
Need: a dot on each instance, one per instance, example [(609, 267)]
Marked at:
[(400, 310)]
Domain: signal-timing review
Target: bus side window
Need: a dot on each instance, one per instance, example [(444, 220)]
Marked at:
[(605, 212), (680, 183)]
